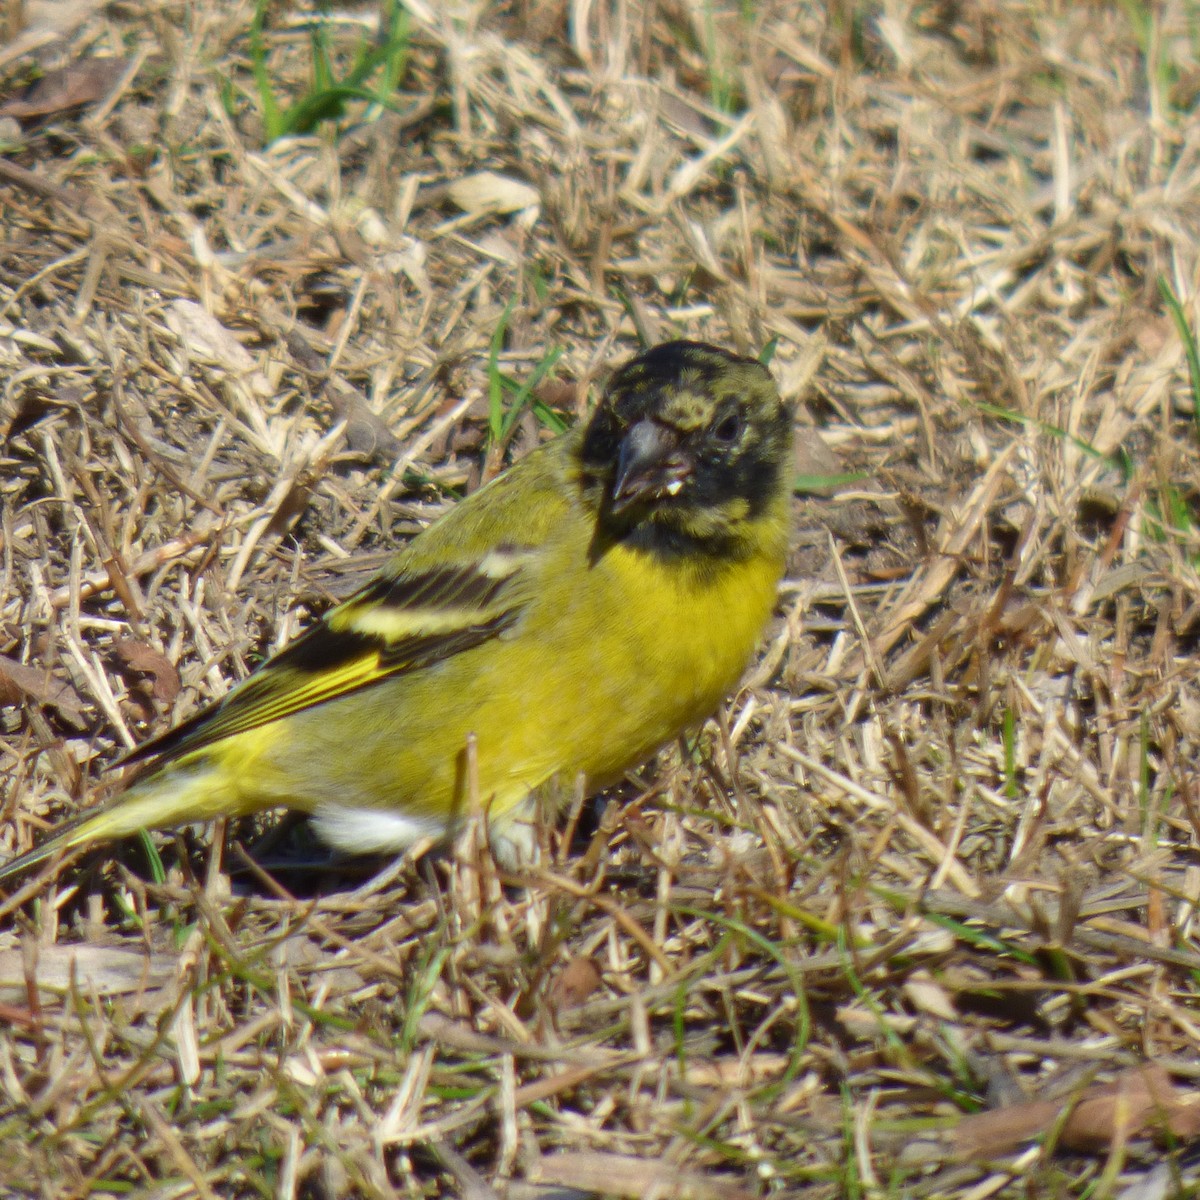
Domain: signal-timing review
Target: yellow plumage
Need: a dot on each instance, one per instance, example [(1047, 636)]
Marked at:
[(575, 614)]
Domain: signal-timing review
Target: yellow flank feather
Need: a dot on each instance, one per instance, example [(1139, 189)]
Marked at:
[(572, 616)]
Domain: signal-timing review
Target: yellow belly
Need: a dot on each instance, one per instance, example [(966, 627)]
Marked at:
[(544, 702)]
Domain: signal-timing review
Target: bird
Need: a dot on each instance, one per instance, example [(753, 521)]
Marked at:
[(586, 606)]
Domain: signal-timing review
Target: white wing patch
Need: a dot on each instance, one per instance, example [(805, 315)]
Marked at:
[(504, 562), (393, 624)]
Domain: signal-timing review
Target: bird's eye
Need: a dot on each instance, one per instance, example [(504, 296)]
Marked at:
[(728, 430)]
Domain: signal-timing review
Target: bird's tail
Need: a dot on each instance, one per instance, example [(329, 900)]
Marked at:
[(156, 801), (78, 832)]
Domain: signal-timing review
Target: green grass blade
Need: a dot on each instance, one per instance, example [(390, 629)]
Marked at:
[(1188, 337)]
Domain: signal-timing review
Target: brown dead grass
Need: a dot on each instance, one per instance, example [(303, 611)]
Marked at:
[(940, 857)]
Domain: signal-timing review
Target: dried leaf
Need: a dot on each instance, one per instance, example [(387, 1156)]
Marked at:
[(142, 659), (206, 338), (1139, 1101), (20, 681), (928, 996), (293, 502), (558, 393), (488, 192), (578, 980), (30, 408), (78, 84), (743, 1071), (106, 970), (625, 1175), (366, 432)]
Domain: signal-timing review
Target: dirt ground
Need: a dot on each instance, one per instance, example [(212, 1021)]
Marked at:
[(915, 916)]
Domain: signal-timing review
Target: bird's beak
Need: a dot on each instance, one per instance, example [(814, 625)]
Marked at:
[(650, 465)]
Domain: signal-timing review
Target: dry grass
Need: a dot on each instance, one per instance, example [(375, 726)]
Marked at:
[(941, 856)]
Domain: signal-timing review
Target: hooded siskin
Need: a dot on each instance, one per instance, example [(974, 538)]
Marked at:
[(583, 608)]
